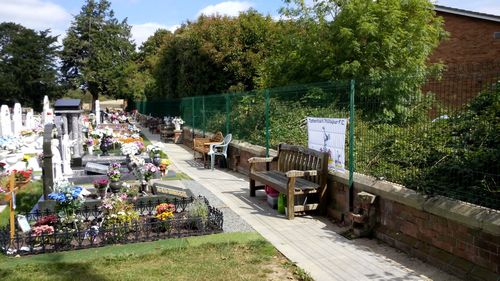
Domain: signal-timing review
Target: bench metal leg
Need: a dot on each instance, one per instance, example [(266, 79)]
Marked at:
[(252, 188)]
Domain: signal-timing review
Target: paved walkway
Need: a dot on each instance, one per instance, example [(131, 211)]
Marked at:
[(312, 243)]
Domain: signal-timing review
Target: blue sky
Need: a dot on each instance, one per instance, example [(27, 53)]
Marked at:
[(146, 16)]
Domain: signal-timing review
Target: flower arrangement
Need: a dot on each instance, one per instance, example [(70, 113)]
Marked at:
[(116, 210), (141, 146), (177, 121), (68, 199), (22, 176), (153, 149), (89, 142), (42, 229), (114, 173), (101, 183), (47, 220), (165, 211), (130, 148), (149, 170)]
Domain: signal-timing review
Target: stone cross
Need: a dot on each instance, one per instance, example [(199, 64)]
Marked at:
[(97, 112), (17, 119), (5, 122)]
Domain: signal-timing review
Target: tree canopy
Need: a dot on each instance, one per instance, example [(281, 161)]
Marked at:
[(96, 50), (27, 65)]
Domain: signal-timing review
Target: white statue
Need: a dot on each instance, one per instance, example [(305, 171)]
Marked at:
[(177, 121), (66, 155), (56, 160)]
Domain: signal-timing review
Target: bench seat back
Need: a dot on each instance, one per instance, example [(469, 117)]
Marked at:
[(294, 157)]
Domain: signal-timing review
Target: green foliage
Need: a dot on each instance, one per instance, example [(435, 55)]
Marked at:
[(97, 50), (27, 65), (366, 40), (214, 54)]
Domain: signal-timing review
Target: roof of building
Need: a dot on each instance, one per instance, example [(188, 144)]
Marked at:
[(466, 13)]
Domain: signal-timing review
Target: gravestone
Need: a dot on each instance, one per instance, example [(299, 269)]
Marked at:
[(96, 168), (17, 119), (29, 123), (97, 112), (5, 122)]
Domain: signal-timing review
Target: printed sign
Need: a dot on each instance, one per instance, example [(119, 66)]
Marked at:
[(328, 134)]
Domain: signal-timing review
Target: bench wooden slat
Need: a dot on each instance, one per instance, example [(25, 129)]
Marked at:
[(292, 157)]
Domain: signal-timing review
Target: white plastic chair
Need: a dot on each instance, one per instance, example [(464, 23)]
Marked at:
[(219, 149)]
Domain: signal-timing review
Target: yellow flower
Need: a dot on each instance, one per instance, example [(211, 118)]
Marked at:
[(26, 158), (165, 161)]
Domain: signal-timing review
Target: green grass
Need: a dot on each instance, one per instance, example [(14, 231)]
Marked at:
[(26, 198), (228, 256), (145, 139)]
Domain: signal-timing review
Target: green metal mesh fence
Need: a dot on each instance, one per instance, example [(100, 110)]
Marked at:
[(440, 138)]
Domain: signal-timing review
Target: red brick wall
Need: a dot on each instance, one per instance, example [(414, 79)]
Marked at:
[(467, 252), (470, 41)]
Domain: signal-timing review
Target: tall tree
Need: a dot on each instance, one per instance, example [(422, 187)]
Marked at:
[(27, 65), (385, 42), (97, 50)]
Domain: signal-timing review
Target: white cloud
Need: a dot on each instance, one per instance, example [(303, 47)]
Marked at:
[(35, 14), (141, 32), (229, 8)]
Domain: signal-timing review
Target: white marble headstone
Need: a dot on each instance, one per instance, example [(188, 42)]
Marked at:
[(29, 123), (17, 119), (5, 121), (97, 112)]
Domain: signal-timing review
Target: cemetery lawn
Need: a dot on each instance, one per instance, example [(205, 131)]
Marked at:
[(227, 256), (25, 200)]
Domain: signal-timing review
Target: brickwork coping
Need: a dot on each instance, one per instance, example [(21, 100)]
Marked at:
[(470, 215)]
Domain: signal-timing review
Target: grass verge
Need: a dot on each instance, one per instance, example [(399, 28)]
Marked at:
[(227, 256)]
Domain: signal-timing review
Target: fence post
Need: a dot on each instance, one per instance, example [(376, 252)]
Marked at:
[(192, 115), (268, 134), (351, 144), (203, 114), (228, 113)]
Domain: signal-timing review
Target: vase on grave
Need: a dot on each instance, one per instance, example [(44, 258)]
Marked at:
[(104, 145), (115, 186), (156, 159), (90, 150)]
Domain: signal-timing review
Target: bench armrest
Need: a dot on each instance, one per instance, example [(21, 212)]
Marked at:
[(261, 159), (297, 173)]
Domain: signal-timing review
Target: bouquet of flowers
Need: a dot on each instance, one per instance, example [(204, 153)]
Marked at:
[(22, 176), (141, 146), (117, 210), (68, 198), (149, 170), (89, 142), (114, 173), (130, 148), (101, 183), (153, 149), (165, 211)]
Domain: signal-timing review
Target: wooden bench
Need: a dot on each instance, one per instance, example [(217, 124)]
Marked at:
[(200, 145), (301, 174)]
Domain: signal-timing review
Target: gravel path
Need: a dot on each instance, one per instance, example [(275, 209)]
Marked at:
[(232, 222)]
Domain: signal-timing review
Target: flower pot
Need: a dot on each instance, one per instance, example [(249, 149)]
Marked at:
[(102, 192), (156, 159), (104, 149), (90, 150), (115, 186)]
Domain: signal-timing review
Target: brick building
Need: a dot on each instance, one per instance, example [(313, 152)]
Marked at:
[(471, 54), (474, 37)]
